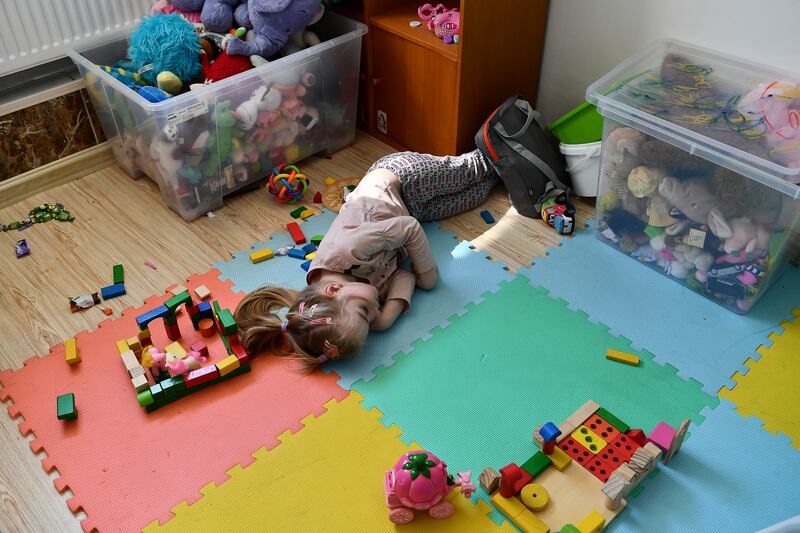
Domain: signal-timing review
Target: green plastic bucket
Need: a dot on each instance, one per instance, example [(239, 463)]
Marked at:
[(582, 125)]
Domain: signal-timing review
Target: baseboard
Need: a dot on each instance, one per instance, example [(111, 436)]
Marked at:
[(56, 173)]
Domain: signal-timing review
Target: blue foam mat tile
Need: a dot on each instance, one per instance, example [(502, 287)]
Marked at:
[(702, 339), (282, 271), (730, 475), (464, 276)]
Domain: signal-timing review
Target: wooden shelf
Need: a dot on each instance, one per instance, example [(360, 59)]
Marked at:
[(396, 22)]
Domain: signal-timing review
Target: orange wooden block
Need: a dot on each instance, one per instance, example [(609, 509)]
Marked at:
[(206, 327)]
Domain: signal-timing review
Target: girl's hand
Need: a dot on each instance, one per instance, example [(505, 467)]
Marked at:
[(427, 280)]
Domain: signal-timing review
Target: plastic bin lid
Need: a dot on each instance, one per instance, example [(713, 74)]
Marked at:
[(733, 112)]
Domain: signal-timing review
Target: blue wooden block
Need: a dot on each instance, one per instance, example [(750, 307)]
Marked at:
[(549, 432), (306, 265), (297, 253), (487, 217), (308, 248), (112, 291), (162, 311)]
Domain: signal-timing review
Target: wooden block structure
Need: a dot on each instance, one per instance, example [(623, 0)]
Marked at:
[(176, 349), (591, 523), (71, 351), (576, 419), (677, 441), (489, 480), (134, 344), (65, 407), (622, 357)]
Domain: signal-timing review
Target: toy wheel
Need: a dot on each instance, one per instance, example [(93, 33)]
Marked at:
[(401, 515), (442, 510)]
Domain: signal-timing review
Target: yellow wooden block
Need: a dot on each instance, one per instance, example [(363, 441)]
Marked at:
[(560, 459), (591, 440), (202, 292), (144, 336), (534, 496), (511, 507), (176, 349), (261, 255), (622, 357), (71, 354), (591, 523), (134, 344), (329, 181), (312, 255), (122, 346), (307, 213), (530, 523), (228, 365)]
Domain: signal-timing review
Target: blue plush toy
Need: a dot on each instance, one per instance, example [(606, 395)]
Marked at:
[(165, 51), (273, 21)]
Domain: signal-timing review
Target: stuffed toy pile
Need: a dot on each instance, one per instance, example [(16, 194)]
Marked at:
[(712, 228)]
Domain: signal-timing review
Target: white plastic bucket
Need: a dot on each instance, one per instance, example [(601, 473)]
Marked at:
[(583, 164)]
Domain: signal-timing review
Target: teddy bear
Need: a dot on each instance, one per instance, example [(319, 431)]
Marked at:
[(273, 21)]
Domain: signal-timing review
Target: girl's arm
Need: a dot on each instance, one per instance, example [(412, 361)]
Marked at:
[(389, 313), (395, 233)]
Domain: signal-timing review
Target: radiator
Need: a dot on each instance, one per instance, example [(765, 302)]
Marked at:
[(37, 31)]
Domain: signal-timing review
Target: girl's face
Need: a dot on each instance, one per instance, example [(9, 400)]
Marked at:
[(359, 303)]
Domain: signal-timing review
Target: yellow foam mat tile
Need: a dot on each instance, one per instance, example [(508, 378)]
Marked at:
[(770, 390), (326, 477)]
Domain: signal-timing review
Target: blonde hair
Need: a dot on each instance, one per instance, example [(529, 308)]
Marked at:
[(305, 332)]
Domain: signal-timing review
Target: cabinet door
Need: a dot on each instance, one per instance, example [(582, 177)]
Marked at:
[(414, 94)]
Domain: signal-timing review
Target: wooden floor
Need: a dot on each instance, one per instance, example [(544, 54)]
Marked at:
[(120, 220)]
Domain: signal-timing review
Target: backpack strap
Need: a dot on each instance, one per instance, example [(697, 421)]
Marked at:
[(527, 154)]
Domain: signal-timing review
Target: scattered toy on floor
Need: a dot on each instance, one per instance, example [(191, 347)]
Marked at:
[(65, 407), (287, 184), (150, 264), (622, 357), (419, 482), (261, 255), (39, 214), (487, 217), (71, 354), (21, 248), (84, 301)]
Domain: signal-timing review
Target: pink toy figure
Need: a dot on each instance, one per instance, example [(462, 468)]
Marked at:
[(158, 361), (179, 367), (444, 22), (419, 481), (777, 106)]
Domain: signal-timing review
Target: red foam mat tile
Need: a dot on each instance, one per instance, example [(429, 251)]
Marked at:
[(126, 467)]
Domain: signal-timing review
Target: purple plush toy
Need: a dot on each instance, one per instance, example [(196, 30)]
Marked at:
[(273, 21), (219, 15)]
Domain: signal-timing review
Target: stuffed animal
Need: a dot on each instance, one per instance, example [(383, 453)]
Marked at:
[(164, 152), (741, 196), (220, 145), (188, 9), (225, 66), (165, 51), (643, 181), (302, 39), (742, 236), (273, 22), (692, 197), (775, 108), (219, 15), (264, 98), (621, 155)]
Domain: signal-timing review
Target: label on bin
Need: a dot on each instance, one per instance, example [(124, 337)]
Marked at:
[(188, 113)]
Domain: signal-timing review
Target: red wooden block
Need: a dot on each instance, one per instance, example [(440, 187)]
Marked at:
[(576, 450), (637, 436), (512, 479), (612, 456), (600, 469), (606, 431), (201, 375), (192, 309), (173, 331), (199, 347), (623, 446), (318, 198), (297, 234)]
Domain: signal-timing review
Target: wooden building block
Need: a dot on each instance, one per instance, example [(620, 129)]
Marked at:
[(202, 292), (200, 347), (559, 458), (537, 464), (297, 235), (311, 256), (145, 398), (261, 255), (140, 383), (489, 480), (576, 419), (122, 346), (590, 440), (677, 441), (176, 349), (329, 181), (195, 378), (119, 274), (511, 507), (65, 407), (228, 365), (307, 213), (591, 523), (129, 360), (71, 351), (135, 345), (622, 357), (662, 435), (528, 522), (144, 337), (534, 496), (138, 370), (609, 417), (178, 289), (625, 472)]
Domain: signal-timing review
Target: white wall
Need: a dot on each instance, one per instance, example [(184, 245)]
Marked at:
[(586, 38)]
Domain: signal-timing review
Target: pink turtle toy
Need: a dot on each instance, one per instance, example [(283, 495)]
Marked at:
[(419, 481)]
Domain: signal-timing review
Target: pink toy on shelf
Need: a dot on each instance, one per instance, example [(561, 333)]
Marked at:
[(419, 481), (445, 23)]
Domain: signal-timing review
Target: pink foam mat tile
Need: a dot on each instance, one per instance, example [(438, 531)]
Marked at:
[(126, 467)]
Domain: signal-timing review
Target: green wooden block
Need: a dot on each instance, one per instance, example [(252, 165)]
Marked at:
[(145, 398), (65, 407), (536, 464), (158, 394), (569, 528), (316, 239), (296, 212), (227, 323), (227, 344), (243, 369), (119, 274), (609, 417), (170, 393), (180, 299), (179, 384)]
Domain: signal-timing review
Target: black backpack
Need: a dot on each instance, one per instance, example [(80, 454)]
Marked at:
[(524, 154)]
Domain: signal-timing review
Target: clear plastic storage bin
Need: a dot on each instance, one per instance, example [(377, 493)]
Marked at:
[(201, 146), (700, 169)]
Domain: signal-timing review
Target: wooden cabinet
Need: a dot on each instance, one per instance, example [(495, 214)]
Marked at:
[(420, 94)]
